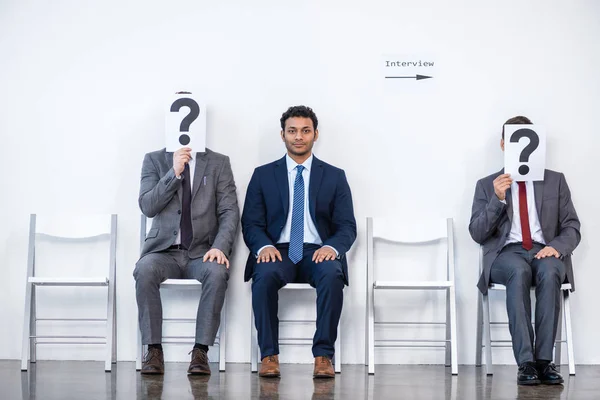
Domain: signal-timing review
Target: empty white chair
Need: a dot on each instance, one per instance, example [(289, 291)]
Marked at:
[(181, 284), (484, 336), (71, 229), (423, 232), (255, 350)]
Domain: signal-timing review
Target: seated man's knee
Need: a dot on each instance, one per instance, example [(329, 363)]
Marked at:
[(550, 269), (330, 272), (218, 275), (266, 275), (146, 272), (521, 274)]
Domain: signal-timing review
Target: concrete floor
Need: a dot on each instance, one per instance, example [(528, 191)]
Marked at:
[(65, 380)]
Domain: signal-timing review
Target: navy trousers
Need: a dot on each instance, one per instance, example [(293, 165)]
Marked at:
[(327, 277)]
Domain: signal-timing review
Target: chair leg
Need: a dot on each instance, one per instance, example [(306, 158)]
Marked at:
[(338, 351), (110, 314), (448, 350), (479, 339), (26, 328), (139, 349), (559, 334), (33, 329), (487, 334), (371, 327), (223, 337), (569, 332), (253, 345), (453, 337)]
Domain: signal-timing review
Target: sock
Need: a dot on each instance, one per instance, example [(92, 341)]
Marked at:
[(155, 346), (201, 347)]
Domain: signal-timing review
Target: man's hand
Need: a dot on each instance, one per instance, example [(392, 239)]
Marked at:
[(180, 158), (269, 254), (547, 251), (501, 185), (216, 254), (325, 253)]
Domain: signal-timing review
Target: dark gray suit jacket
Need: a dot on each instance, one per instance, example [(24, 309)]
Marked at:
[(491, 220), (215, 211)]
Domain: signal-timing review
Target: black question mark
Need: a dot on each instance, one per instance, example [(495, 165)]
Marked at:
[(534, 142), (187, 121)]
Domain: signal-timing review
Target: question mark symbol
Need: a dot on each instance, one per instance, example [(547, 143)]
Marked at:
[(187, 121), (534, 142)]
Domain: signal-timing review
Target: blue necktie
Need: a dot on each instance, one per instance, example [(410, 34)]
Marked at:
[(297, 230)]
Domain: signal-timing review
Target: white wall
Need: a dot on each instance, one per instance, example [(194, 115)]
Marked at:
[(82, 96)]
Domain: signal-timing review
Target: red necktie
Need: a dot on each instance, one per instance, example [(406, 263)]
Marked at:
[(525, 229)]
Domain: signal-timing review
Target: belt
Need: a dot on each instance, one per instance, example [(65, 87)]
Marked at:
[(177, 247)]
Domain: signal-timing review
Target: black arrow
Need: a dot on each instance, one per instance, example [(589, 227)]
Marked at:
[(418, 77)]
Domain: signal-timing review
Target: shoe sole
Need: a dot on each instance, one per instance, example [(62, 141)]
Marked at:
[(530, 383), (270, 375), (323, 376), (560, 382), (152, 372), (198, 372)]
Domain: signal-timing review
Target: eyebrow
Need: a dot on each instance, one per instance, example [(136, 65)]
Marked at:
[(304, 127)]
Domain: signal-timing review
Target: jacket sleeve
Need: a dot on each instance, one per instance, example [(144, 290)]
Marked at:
[(228, 212), (569, 235), (156, 191), (254, 216), (343, 221), (485, 214)]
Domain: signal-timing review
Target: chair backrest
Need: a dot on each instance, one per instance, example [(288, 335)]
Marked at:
[(72, 228), (410, 232)]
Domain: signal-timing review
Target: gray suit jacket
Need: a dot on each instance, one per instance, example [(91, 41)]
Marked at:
[(491, 220), (215, 212)]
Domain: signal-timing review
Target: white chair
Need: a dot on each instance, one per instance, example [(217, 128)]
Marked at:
[(423, 232), (255, 350), (484, 337), (181, 284), (62, 228)]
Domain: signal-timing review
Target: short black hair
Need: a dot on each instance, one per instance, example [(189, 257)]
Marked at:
[(518, 120), (299, 111)]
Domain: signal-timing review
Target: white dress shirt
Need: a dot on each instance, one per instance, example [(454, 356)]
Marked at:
[(310, 230), (192, 164), (516, 234)]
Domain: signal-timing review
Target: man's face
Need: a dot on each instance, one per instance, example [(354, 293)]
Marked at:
[(299, 135)]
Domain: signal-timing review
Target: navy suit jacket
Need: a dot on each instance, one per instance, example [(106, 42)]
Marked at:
[(267, 205)]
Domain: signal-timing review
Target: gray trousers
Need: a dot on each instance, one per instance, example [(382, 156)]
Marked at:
[(154, 268), (519, 270)]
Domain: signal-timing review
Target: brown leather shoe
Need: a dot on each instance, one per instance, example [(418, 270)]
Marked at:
[(199, 363), (269, 367), (323, 368), (154, 363)]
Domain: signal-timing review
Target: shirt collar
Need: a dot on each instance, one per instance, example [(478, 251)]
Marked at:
[(291, 164)]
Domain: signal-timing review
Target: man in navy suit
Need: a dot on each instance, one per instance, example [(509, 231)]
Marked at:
[(298, 222)]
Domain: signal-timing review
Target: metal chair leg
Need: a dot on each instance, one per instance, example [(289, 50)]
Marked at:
[(487, 334), (569, 332)]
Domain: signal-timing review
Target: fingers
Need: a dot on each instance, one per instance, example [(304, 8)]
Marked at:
[(226, 262), (278, 254), (205, 257), (323, 254)]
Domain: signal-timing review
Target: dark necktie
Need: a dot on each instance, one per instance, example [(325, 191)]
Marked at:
[(296, 249), (186, 209), (525, 229)]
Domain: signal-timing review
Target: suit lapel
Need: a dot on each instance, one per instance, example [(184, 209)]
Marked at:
[(281, 179), (199, 172), (316, 175), (169, 161)]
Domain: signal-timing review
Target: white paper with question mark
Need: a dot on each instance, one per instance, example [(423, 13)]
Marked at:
[(185, 123), (525, 152)]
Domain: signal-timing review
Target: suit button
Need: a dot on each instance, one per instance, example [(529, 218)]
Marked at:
[(179, 212), (175, 233)]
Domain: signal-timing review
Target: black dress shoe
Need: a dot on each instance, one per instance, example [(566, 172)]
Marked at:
[(528, 374), (549, 374)]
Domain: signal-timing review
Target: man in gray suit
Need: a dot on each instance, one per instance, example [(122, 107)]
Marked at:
[(528, 231), (193, 203)]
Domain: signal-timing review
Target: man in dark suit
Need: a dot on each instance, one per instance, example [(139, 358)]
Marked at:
[(528, 231), (298, 222), (192, 201)]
